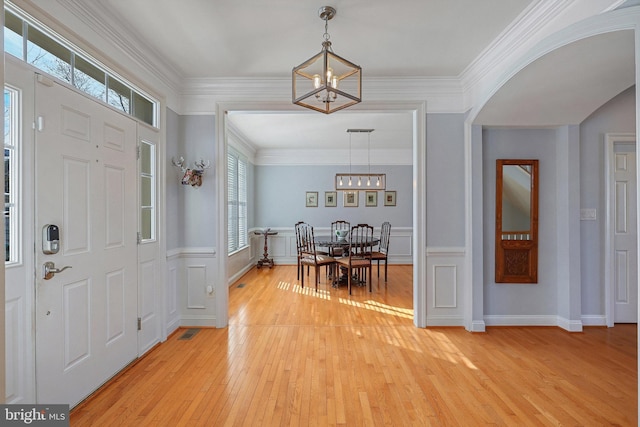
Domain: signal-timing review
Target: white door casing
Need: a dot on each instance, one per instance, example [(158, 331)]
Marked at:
[(621, 269), (86, 316), (19, 290)]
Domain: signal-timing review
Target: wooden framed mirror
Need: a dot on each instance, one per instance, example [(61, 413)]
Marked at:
[(516, 221)]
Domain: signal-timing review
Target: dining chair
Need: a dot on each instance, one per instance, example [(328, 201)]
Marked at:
[(359, 256), (308, 254), (382, 254), (299, 245), (341, 226)]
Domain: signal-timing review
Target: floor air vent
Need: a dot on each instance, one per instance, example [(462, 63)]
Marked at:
[(241, 285), (189, 333)]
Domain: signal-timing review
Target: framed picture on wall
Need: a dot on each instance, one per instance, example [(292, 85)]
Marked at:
[(312, 199), (350, 199), (371, 198), (389, 198), (331, 199)]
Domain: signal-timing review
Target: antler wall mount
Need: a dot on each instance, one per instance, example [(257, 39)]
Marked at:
[(191, 176)]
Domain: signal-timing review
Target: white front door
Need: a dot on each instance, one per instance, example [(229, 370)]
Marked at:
[(625, 268), (86, 316)]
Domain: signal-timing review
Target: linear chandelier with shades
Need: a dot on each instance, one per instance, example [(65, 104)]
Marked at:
[(327, 82), (361, 181)]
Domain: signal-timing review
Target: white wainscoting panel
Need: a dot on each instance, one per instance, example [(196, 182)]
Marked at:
[(171, 298), (189, 277), (242, 261), (445, 286), (445, 281), (196, 285), (277, 247)]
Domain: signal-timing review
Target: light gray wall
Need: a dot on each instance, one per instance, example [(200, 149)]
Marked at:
[(280, 197), (276, 198), (616, 116), (191, 211), (445, 180), (173, 212), (521, 299)]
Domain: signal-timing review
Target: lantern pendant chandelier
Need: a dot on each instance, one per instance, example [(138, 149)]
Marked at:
[(361, 181), (327, 82)]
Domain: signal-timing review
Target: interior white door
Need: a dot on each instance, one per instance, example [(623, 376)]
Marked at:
[(86, 316), (625, 268)]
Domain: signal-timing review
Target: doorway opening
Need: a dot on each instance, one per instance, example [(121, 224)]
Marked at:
[(418, 113)]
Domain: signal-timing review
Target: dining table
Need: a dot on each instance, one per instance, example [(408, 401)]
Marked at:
[(332, 243)]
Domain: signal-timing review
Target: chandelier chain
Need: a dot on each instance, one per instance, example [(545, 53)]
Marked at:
[(369, 151), (349, 152), (326, 29)]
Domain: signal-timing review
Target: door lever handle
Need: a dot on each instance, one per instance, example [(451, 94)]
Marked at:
[(49, 270)]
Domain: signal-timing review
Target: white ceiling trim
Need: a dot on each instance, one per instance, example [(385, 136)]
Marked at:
[(199, 96), (240, 142), (306, 157), (445, 94), (517, 36), (140, 53), (617, 20), (535, 24)]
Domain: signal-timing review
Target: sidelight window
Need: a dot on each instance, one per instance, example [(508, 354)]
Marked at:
[(147, 191), (11, 176)]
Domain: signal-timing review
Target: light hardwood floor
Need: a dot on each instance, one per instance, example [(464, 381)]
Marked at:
[(294, 357)]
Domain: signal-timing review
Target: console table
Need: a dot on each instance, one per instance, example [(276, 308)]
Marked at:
[(265, 256)]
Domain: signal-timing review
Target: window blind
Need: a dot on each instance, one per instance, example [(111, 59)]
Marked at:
[(237, 201)]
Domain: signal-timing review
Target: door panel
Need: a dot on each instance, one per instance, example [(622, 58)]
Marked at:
[(86, 316), (625, 234), (115, 207), (76, 184), (75, 311)]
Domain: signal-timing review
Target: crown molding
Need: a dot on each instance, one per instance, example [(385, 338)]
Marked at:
[(537, 22), (240, 142), (201, 95), (105, 23), (615, 20), (457, 94), (305, 157)]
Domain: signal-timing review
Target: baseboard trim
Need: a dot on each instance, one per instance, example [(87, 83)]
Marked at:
[(478, 326), (594, 320), (192, 321), (543, 320), (239, 274), (514, 320), (445, 321)]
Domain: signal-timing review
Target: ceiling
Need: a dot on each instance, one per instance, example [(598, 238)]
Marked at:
[(432, 39), (257, 38)]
